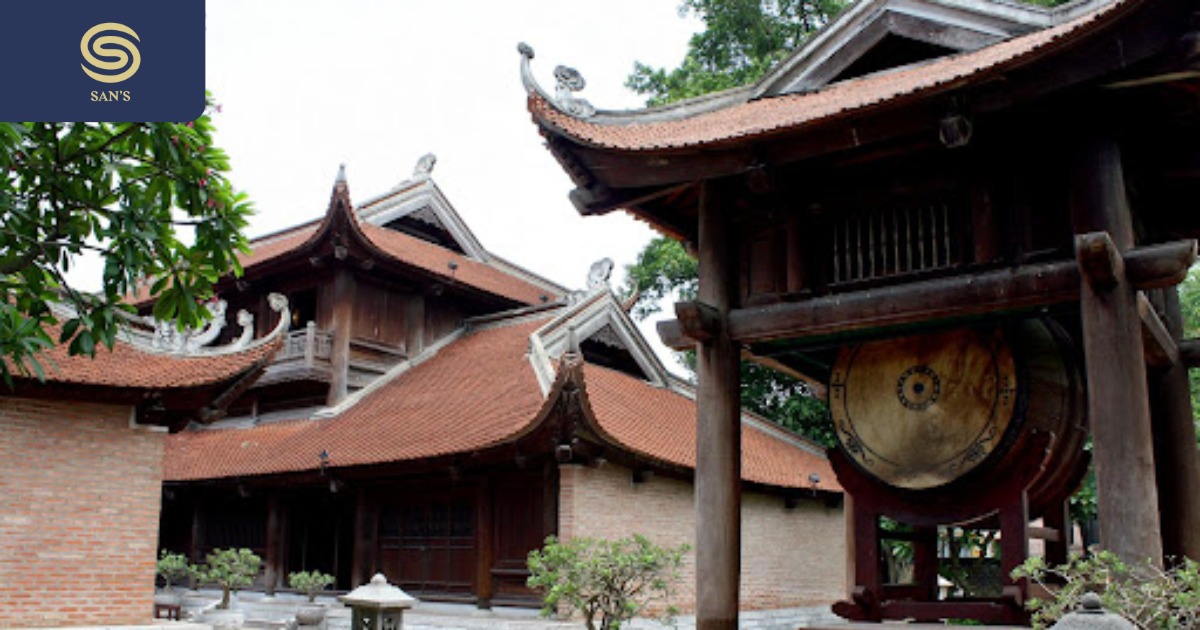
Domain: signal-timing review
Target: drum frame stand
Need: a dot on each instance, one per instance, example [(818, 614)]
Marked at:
[(1001, 503)]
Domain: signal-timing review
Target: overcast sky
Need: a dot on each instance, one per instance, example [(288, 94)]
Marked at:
[(376, 84)]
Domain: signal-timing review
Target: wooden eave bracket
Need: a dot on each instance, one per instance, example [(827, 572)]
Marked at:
[(1099, 260), (699, 321), (1159, 347)]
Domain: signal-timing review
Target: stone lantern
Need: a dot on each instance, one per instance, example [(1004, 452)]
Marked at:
[(378, 605), (1092, 616)]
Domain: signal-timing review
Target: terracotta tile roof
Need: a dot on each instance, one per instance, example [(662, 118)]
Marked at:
[(477, 392), (661, 423), (474, 393), (762, 117), (436, 259), (129, 367), (405, 249), (274, 245)]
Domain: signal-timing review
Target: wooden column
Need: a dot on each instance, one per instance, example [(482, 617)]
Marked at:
[(484, 537), (196, 553), (359, 559), (415, 321), (273, 573), (1118, 406), (1175, 454), (343, 315), (718, 428)]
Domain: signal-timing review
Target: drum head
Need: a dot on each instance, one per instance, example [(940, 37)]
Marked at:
[(919, 412)]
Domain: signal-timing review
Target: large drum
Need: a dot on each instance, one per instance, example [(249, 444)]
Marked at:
[(947, 411)]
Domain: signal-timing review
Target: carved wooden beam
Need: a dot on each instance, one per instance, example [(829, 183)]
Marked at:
[(1026, 287), (1157, 343), (1159, 266), (699, 321), (936, 301)]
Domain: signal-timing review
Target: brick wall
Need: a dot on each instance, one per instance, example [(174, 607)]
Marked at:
[(79, 505), (790, 557)]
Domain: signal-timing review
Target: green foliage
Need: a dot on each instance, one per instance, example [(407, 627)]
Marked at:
[(132, 193), (1151, 598), (971, 562), (741, 40), (663, 269), (610, 581), (310, 582), (231, 569), (787, 402), (173, 567), (1189, 302)]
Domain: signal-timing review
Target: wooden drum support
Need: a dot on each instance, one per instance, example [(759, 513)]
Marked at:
[(982, 427)]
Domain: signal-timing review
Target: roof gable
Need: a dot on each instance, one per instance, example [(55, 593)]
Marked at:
[(599, 321), (419, 208), (876, 35)]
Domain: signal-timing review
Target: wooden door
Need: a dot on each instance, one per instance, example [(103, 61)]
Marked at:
[(428, 544), (522, 522)]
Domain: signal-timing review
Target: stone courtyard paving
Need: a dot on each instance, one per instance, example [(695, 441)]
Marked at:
[(274, 613)]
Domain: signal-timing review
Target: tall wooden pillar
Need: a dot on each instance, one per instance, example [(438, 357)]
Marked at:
[(343, 314), (718, 428), (273, 573), (196, 553), (484, 538), (1118, 406), (1175, 454)]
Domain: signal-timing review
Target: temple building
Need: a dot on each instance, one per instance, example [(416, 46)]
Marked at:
[(964, 221), (435, 412)]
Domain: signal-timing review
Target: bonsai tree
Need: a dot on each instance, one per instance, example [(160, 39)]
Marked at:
[(1149, 597), (174, 568), (231, 569), (310, 582), (606, 580)]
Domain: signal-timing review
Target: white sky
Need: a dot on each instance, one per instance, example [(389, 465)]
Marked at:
[(376, 84)]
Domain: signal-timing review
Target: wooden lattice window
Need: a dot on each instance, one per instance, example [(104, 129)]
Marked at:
[(897, 240)]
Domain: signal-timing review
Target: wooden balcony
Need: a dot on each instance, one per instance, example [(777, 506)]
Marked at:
[(306, 355)]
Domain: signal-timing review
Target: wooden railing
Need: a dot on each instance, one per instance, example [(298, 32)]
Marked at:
[(308, 346)]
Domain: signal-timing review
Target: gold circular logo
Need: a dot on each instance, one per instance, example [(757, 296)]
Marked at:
[(122, 49)]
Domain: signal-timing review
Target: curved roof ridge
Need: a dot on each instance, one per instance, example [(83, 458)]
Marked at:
[(669, 436), (752, 118)]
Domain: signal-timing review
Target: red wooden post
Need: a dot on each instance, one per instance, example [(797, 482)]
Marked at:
[(1118, 406), (718, 430)]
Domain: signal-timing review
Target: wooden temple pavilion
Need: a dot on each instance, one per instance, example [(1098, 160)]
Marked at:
[(966, 220), (436, 412)]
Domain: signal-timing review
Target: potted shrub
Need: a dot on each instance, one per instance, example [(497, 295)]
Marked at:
[(310, 583), (232, 570), (174, 569)]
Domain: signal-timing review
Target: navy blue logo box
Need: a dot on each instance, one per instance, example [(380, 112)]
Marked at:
[(102, 60)]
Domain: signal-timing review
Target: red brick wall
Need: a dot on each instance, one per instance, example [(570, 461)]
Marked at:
[(790, 557), (79, 505)]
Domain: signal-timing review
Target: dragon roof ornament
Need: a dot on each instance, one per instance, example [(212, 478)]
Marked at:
[(164, 337), (567, 81)]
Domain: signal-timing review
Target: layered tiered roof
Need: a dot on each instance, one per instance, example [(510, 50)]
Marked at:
[(484, 390)]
